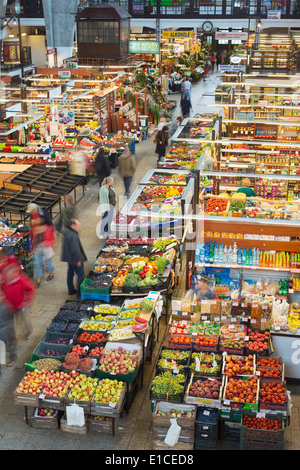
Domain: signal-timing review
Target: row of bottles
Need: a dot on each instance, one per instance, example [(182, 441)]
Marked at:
[(215, 253), (295, 260)]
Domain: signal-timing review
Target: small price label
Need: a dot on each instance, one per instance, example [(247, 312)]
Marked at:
[(112, 405)]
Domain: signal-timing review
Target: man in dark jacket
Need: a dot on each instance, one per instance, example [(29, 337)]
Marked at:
[(102, 166), (74, 255)]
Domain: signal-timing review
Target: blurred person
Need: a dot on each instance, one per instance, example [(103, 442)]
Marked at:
[(187, 88), (43, 240), (7, 333), (219, 58), (212, 61), (78, 165), (107, 203), (37, 213), (206, 70), (18, 291), (102, 166), (127, 167), (201, 290), (186, 106), (67, 214), (73, 254)]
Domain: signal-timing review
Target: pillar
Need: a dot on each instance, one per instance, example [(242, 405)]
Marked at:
[(60, 26)]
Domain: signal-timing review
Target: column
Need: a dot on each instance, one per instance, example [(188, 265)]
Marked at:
[(60, 26)]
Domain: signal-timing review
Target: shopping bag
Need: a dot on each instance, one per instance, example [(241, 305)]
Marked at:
[(75, 415), (173, 433)]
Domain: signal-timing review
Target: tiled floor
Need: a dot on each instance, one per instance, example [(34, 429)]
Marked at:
[(134, 429)]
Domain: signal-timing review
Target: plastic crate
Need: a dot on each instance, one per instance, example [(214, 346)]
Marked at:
[(247, 444), (103, 297), (49, 335), (264, 435), (206, 428), (85, 289), (42, 348)]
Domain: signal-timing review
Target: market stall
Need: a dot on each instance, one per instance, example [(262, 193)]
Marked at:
[(214, 371), (91, 356)]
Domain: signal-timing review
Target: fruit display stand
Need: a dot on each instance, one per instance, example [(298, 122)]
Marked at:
[(200, 126), (127, 268), (182, 156), (224, 394), (156, 207), (54, 378)]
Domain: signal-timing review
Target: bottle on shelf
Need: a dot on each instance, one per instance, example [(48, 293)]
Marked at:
[(234, 253)]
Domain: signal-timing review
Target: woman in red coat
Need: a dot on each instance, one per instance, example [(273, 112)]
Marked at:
[(18, 291)]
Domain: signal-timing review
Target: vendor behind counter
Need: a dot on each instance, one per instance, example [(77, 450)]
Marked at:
[(201, 290), (246, 188)]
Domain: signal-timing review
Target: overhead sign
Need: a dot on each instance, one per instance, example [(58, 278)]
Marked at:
[(274, 14), (231, 68), (177, 34), (144, 47), (230, 35)]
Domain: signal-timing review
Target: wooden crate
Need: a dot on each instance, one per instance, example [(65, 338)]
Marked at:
[(108, 427), (186, 439), (73, 429), (160, 421), (26, 399), (45, 422)]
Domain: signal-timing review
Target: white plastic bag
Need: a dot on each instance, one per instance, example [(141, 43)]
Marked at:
[(173, 433), (75, 415)]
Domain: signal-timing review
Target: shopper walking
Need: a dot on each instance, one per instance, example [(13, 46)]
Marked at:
[(212, 61), (219, 58), (127, 167), (187, 88), (102, 166), (73, 254), (107, 200), (206, 70), (43, 240), (186, 106), (67, 214), (162, 140), (7, 333), (19, 291), (174, 125), (37, 214)]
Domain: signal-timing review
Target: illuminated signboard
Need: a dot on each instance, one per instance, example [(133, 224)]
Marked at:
[(144, 47)]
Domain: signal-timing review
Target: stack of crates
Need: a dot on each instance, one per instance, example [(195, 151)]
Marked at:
[(261, 439), (206, 428)]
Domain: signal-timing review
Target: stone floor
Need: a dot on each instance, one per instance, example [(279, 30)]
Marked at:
[(134, 429)]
